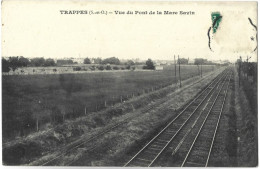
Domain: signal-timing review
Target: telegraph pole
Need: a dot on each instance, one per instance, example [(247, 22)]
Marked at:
[(247, 67), (179, 70), (175, 67), (239, 67), (201, 70)]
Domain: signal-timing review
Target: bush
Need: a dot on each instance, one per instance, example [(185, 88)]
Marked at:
[(92, 68), (87, 61), (116, 68), (149, 65), (100, 67), (76, 68), (108, 67), (127, 67)]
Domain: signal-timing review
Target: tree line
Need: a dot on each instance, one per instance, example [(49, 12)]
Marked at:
[(14, 62)]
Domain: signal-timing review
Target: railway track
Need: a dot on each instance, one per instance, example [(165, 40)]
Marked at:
[(189, 122), (83, 141), (201, 148)]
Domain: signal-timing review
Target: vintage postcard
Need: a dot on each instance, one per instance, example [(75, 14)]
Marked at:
[(129, 84)]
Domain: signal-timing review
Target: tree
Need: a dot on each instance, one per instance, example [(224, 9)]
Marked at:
[(49, 62), (23, 62), (199, 61), (149, 65), (39, 61), (183, 61), (97, 60), (14, 62), (87, 61), (129, 62), (111, 60), (5, 65), (70, 61)]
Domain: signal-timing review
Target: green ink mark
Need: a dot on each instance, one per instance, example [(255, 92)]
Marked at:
[(216, 19)]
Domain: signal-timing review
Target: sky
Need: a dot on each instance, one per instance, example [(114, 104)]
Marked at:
[(38, 29)]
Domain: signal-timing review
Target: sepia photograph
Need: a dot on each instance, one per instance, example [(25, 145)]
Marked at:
[(129, 83)]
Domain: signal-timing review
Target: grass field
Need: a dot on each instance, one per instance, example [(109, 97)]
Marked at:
[(53, 98)]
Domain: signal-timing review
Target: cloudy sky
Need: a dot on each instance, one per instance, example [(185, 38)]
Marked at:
[(37, 28)]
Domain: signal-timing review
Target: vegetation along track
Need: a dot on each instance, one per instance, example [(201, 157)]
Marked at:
[(198, 120)]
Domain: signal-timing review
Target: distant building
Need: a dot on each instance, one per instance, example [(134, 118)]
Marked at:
[(191, 61)]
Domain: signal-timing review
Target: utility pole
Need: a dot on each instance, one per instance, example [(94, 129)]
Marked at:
[(239, 67), (201, 70), (179, 70), (175, 68), (247, 67)]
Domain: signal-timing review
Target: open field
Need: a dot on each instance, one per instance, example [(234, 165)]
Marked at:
[(54, 98)]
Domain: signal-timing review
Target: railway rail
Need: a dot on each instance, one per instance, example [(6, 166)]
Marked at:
[(196, 116), (201, 148), (83, 141)]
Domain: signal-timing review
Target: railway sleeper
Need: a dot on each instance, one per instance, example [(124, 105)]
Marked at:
[(157, 146), (162, 140), (171, 131), (142, 159), (160, 143), (150, 152), (153, 148), (198, 158), (139, 164), (149, 156), (193, 164), (200, 150)]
